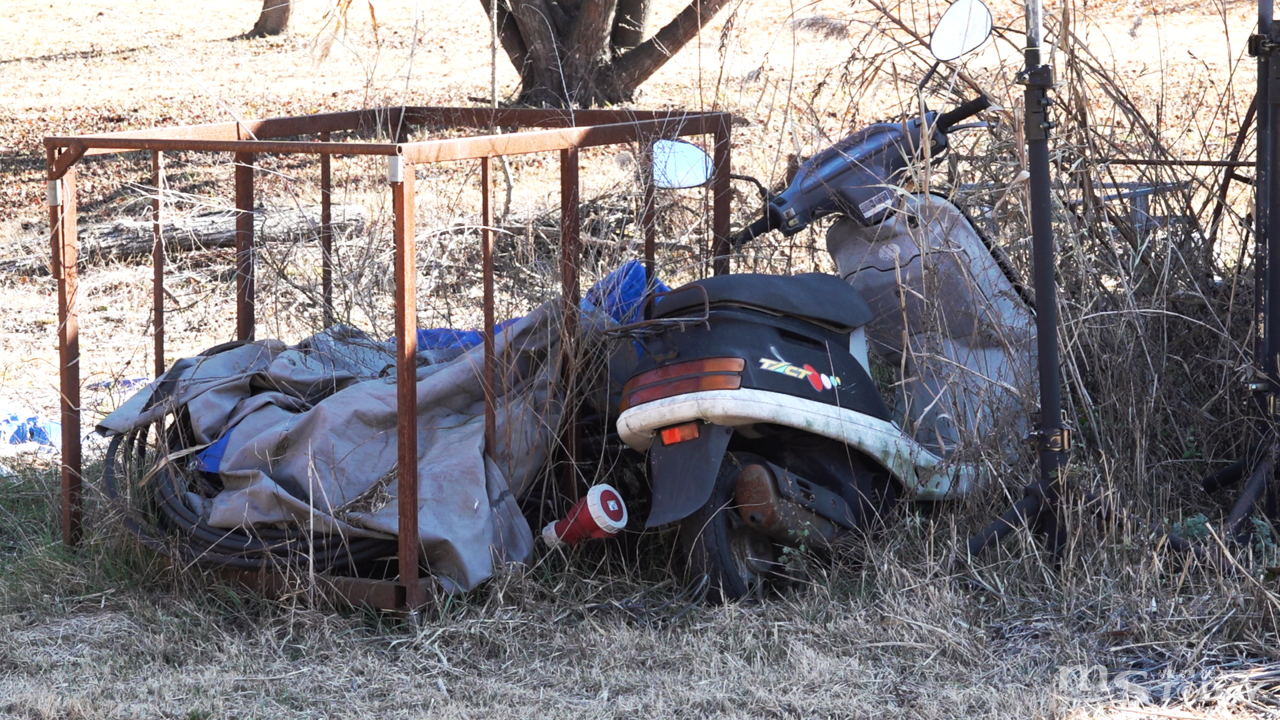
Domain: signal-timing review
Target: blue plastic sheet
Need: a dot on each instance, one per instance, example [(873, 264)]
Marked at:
[(18, 427), (446, 338)]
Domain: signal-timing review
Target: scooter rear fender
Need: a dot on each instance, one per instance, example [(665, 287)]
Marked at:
[(684, 474)]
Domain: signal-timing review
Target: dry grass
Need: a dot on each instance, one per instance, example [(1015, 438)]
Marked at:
[(1156, 332), (112, 632)]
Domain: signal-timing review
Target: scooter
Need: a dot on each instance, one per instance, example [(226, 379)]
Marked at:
[(754, 396)]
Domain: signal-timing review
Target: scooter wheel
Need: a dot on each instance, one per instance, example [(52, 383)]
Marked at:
[(736, 560)]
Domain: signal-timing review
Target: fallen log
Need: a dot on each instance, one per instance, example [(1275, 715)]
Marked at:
[(130, 238)]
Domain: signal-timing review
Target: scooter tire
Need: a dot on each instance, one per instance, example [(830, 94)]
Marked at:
[(733, 560)]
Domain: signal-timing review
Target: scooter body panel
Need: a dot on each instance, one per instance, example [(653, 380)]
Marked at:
[(855, 177), (781, 354), (946, 310)]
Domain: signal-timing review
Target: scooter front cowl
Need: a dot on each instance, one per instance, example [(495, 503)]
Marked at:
[(683, 469)]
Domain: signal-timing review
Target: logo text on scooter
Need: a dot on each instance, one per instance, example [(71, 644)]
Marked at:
[(819, 381)]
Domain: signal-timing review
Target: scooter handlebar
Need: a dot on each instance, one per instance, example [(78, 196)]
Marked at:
[(963, 112), (877, 162), (752, 231)]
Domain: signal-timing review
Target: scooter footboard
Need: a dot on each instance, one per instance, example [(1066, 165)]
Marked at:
[(684, 473)]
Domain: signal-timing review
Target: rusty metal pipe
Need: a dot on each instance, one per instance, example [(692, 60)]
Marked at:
[(65, 249), (406, 272), (534, 117), (326, 233), (722, 194), (417, 152), (107, 146), (298, 125), (244, 247), (293, 125), (610, 127), (648, 211), (486, 255), (557, 139), (157, 262), (569, 241)]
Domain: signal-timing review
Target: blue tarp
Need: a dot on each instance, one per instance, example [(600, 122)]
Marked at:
[(446, 338)]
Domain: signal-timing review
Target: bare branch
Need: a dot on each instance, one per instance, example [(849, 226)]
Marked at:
[(635, 66)]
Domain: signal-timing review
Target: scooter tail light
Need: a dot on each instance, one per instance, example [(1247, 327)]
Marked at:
[(680, 433), (682, 378)]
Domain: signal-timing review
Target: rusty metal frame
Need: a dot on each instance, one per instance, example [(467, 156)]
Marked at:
[(557, 131)]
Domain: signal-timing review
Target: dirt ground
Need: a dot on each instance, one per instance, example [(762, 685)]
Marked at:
[(110, 633)]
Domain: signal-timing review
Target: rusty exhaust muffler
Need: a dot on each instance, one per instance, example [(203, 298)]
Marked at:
[(789, 508)]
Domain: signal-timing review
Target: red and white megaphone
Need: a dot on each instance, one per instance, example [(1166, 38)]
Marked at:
[(600, 514)]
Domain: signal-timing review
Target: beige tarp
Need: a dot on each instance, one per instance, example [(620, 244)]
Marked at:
[(312, 439)]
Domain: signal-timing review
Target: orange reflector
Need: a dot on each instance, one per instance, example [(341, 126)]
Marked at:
[(680, 433)]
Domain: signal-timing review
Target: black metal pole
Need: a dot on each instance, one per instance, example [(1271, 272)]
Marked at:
[(1040, 502), (1269, 98), (1051, 438), (1259, 47), (1262, 162), (1268, 192)]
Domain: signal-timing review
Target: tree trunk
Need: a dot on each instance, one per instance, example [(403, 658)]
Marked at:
[(274, 18), (508, 34), (634, 67), (541, 77), (629, 22), (589, 52)]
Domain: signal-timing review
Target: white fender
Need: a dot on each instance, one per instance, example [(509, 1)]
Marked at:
[(924, 475)]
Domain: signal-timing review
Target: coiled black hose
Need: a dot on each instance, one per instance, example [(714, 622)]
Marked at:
[(175, 530)]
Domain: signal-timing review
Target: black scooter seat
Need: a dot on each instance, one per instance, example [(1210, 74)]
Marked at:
[(817, 297)]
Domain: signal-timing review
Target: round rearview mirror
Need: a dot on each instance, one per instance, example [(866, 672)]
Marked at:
[(678, 164), (961, 29)]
